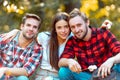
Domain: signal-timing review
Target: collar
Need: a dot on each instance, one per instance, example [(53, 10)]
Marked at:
[(15, 40)]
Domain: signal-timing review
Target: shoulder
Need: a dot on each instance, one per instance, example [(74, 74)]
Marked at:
[(43, 36), (0, 38), (46, 33), (99, 30), (71, 39), (37, 46), (102, 33)]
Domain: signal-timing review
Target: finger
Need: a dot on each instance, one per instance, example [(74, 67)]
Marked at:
[(107, 22), (108, 26), (105, 72), (99, 71), (109, 70), (78, 68), (73, 68), (103, 26), (6, 38), (3, 35)]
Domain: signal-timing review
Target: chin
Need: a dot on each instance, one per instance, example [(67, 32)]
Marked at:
[(78, 37), (64, 38)]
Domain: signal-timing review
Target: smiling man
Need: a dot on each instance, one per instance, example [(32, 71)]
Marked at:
[(90, 46), (20, 56)]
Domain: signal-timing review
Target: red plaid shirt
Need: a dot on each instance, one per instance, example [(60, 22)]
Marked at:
[(97, 50)]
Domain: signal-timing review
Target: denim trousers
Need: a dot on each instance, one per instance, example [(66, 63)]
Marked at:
[(15, 78), (66, 74)]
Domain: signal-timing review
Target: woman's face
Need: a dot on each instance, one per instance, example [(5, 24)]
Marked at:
[(62, 29)]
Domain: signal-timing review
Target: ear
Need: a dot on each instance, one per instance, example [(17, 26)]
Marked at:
[(88, 22), (21, 26)]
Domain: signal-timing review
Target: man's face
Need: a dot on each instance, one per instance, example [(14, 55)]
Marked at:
[(78, 27), (30, 28)]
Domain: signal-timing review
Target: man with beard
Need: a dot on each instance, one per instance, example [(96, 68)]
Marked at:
[(89, 46), (20, 56)]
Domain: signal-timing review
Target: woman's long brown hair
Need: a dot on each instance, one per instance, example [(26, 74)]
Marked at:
[(54, 45)]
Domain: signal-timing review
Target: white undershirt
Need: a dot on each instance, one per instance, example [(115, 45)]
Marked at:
[(43, 39)]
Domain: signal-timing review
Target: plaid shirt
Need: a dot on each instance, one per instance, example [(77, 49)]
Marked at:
[(11, 55), (97, 50)]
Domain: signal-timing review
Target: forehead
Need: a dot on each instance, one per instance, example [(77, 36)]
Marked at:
[(76, 20), (31, 20), (61, 23)]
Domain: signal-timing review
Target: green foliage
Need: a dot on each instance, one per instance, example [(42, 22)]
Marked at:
[(98, 11), (10, 16)]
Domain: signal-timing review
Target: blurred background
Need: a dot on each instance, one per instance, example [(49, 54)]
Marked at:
[(11, 12)]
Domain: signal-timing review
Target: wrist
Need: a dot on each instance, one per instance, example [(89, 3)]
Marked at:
[(112, 59), (7, 72)]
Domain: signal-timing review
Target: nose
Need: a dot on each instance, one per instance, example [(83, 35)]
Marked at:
[(76, 29), (63, 29), (31, 28)]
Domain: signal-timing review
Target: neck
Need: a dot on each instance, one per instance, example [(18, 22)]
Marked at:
[(23, 42), (88, 35)]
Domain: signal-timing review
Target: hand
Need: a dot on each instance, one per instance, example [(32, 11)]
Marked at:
[(105, 68), (106, 24), (74, 66), (10, 35), (2, 71)]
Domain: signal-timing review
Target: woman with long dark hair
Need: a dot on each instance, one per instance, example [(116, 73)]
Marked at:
[(53, 45)]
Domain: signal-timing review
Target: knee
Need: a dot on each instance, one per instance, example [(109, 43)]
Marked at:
[(117, 67), (63, 70), (65, 74), (22, 78)]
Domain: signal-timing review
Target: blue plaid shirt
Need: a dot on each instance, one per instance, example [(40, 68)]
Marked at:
[(11, 55)]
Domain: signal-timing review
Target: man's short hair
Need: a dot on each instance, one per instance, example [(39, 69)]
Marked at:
[(76, 12), (30, 15)]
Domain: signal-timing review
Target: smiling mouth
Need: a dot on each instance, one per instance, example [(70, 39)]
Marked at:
[(29, 32), (64, 35)]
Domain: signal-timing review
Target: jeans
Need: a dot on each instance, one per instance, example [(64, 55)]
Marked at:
[(66, 74), (117, 67), (16, 78)]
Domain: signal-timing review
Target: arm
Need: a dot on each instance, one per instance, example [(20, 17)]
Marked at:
[(105, 69), (106, 24), (114, 50), (67, 58), (12, 71), (10, 35), (34, 60), (16, 71), (71, 63)]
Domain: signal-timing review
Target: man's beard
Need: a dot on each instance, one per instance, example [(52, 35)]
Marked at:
[(28, 38), (85, 33)]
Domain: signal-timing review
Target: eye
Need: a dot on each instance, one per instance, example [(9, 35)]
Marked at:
[(66, 26), (72, 27), (35, 27), (79, 25), (58, 27), (28, 25)]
